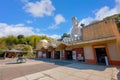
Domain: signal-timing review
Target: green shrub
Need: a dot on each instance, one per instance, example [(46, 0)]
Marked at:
[(30, 55)]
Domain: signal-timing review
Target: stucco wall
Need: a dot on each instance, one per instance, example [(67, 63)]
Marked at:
[(118, 42), (88, 52), (99, 30), (113, 51)]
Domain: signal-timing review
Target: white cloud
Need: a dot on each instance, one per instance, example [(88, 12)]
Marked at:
[(17, 29), (55, 36), (117, 1), (58, 20), (6, 30), (39, 8), (102, 13), (87, 20)]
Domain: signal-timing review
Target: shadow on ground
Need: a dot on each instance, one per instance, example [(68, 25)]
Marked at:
[(81, 65), (74, 64), (14, 63), (118, 75), (55, 61)]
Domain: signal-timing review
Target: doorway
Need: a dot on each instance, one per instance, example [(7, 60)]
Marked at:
[(69, 55), (57, 55), (49, 54), (100, 54)]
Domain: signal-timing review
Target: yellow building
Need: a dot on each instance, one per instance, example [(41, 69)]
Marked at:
[(39, 47), (98, 43), (101, 40)]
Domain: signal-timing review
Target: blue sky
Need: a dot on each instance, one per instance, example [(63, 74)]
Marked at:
[(51, 17)]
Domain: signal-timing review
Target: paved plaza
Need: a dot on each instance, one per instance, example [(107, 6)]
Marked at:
[(9, 69), (48, 69)]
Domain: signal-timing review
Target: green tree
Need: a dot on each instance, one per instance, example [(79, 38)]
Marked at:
[(83, 25), (22, 39), (11, 40), (27, 48), (44, 37), (34, 39), (3, 41), (20, 36), (34, 43), (65, 35), (3, 48)]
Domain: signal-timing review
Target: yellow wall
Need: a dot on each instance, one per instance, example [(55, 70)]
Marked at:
[(99, 30), (113, 51), (118, 43), (88, 52)]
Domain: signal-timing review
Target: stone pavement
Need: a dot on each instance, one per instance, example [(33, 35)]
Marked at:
[(9, 69), (75, 71), (12, 62)]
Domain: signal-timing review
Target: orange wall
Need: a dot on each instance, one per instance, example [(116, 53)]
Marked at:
[(78, 51)]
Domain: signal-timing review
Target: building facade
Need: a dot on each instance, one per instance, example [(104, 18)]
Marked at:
[(98, 43)]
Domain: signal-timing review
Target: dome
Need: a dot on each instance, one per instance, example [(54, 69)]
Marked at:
[(44, 41), (45, 47)]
